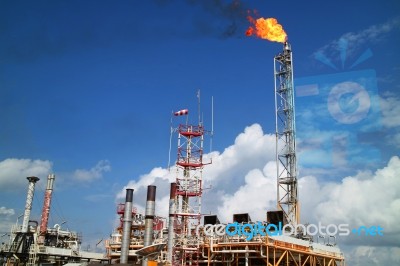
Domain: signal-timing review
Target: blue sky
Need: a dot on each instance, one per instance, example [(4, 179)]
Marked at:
[(87, 89)]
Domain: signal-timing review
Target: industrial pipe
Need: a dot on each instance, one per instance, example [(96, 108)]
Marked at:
[(28, 205), (46, 208), (127, 227), (171, 221), (149, 218), (229, 250)]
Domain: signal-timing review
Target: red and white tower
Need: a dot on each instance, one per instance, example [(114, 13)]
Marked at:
[(188, 192)]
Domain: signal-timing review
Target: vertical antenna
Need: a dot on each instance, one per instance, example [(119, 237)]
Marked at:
[(170, 142), (212, 122), (198, 98), (186, 248)]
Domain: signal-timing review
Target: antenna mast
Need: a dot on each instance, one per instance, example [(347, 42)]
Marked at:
[(188, 193)]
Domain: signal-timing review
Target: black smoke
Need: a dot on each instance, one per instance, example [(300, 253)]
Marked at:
[(220, 18)]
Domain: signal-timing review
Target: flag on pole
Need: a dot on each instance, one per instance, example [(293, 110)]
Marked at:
[(182, 112)]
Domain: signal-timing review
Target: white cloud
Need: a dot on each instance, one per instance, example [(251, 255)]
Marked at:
[(13, 172), (147, 179), (6, 212), (6, 216), (365, 199), (251, 150), (94, 173), (390, 108), (367, 255), (243, 180), (159, 177), (6, 220), (374, 33), (259, 191)]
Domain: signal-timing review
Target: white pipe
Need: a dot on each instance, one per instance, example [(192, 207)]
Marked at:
[(230, 251)]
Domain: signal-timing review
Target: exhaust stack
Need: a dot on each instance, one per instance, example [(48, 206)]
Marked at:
[(149, 218), (171, 221), (149, 215), (46, 207), (28, 205), (127, 227)]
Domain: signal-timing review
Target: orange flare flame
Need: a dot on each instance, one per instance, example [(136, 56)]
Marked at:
[(268, 29)]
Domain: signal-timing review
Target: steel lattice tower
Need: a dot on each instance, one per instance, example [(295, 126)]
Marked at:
[(286, 136), (189, 165)]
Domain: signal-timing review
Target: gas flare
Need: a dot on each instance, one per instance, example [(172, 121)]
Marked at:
[(266, 28)]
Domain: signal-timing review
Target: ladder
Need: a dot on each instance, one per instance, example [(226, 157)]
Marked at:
[(32, 256)]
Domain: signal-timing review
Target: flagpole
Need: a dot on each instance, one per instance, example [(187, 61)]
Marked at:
[(212, 122)]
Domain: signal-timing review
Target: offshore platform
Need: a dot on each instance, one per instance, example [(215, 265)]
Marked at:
[(31, 243), (187, 237), (194, 239)]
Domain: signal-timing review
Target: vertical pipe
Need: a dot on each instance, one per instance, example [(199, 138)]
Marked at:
[(127, 227), (278, 206), (246, 257), (28, 205), (149, 218), (46, 207), (171, 221)]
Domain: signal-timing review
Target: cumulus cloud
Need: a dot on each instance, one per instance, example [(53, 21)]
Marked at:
[(13, 172), (242, 179), (6, 212), (94, 173), (366, 199), (252, 148), (374, 33), (147, 179), (259, 191)]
